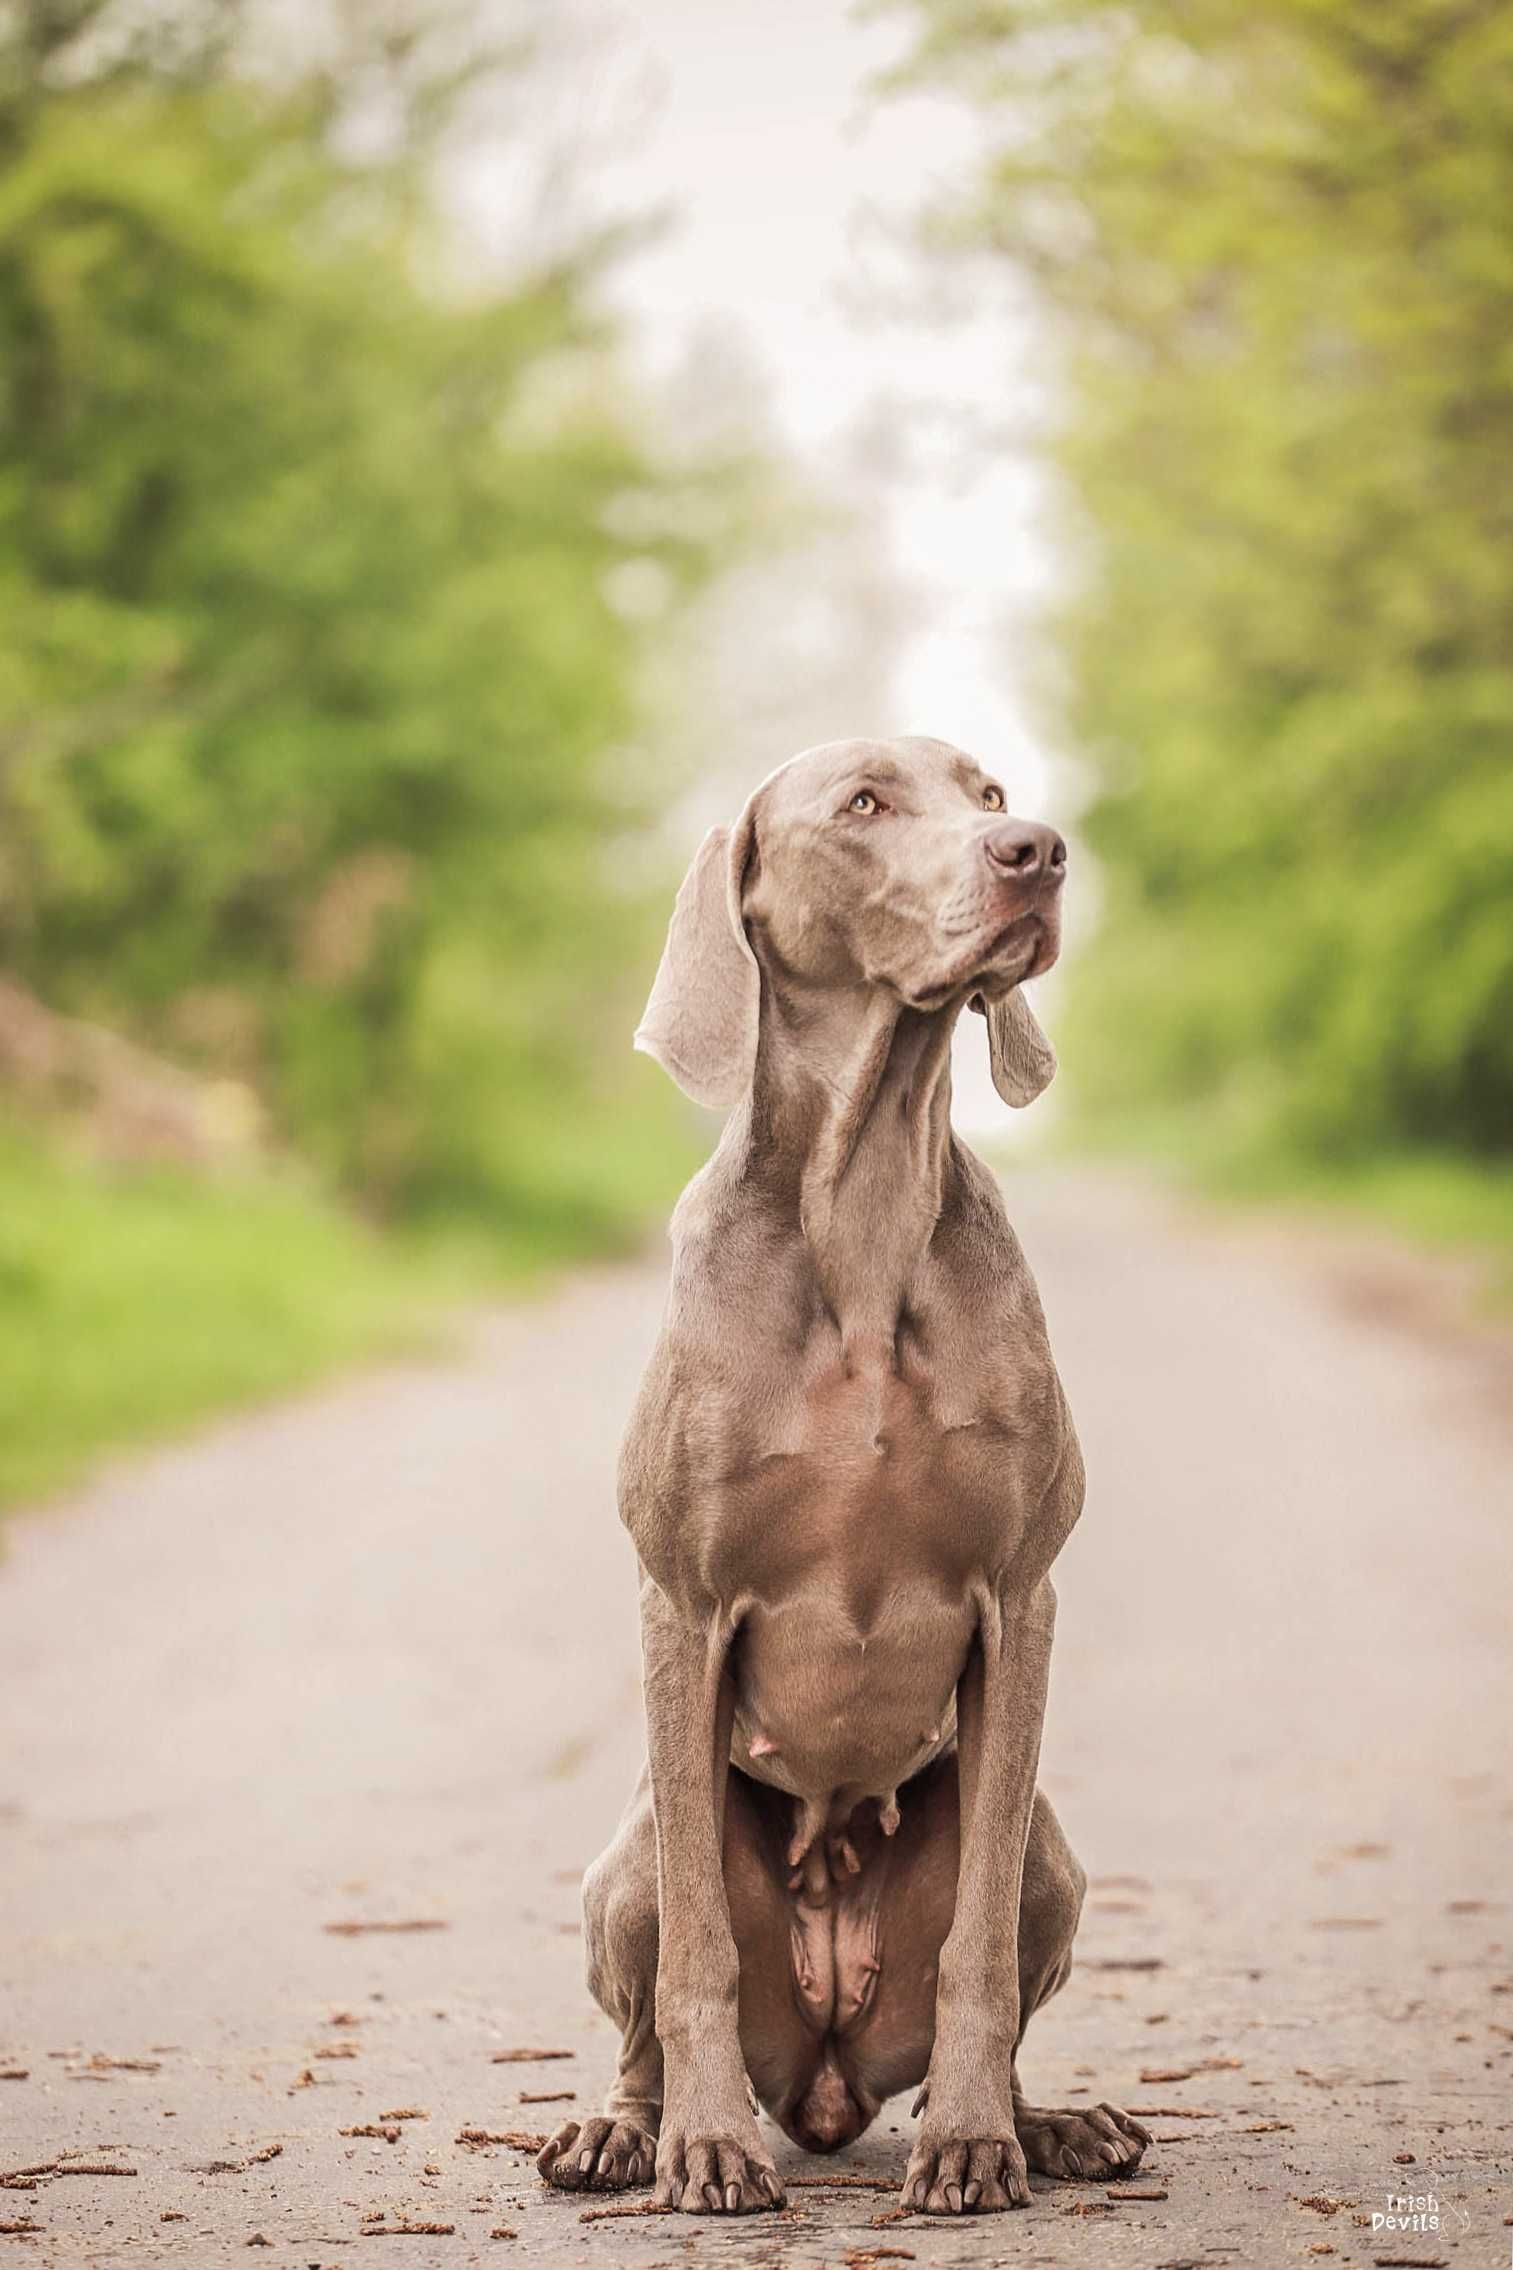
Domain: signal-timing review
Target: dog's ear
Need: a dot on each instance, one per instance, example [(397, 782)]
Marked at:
[(700, 1022), (1022, 1060)]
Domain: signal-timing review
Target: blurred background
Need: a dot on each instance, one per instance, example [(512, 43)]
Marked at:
[(449, 449)]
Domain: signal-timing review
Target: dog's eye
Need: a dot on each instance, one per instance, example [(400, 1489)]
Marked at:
[(992, 799), (863, 801)]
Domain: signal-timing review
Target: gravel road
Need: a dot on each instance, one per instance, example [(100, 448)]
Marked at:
[(273, 1700)]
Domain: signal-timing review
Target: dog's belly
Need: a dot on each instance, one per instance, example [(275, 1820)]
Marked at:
[(836, 1711)]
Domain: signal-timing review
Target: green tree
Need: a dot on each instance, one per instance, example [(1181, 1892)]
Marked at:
[(1272, 248), (317, 656)]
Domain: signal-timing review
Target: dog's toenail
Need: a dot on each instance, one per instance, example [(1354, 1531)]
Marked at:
[(732, 2198), (712, 2198)]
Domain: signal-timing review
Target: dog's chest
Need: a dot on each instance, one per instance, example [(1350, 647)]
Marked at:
[(856, 1553), (860, 1482)]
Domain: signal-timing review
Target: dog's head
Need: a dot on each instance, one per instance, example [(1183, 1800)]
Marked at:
[(861, 864)]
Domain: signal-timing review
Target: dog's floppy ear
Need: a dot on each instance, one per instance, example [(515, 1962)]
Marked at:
[(701, 1020), (1022, 1060)]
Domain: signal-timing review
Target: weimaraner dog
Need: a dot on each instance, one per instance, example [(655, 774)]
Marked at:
[(848, 1473)]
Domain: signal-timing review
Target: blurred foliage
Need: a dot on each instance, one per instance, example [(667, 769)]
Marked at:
[(325, 584), (1273, 245)]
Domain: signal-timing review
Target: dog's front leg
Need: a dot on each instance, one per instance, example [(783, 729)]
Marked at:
[(710, 2156), (967, 2156)]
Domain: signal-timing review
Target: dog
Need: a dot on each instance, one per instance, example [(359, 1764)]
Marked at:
[(847, 1475)]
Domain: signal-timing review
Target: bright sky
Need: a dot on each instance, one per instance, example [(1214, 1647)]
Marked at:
[(760, 127), (756, 122)]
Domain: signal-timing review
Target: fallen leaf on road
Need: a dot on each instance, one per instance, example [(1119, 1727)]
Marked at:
[(1409, 2261), (547, 2096), (13, 2073), (337, 2049), (1266, 2127), (1159, 2073), (1172, 2112), (502, 2230), (405, 2112), (237, 2167), (526, 2056), (1123, 1962), (1321, 2204), (386, 2130), (20, 2228), (1128, 2192), (518, 2139)]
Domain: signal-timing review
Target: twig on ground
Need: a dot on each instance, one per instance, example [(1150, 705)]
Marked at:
[(355, 1929), (842, 2183), (1172, 2112), (518, 2139)]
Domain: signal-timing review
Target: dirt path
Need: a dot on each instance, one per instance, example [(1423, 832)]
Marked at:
[(373, 1659)]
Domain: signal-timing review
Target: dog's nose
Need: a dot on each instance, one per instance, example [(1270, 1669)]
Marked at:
[(1022, 852)]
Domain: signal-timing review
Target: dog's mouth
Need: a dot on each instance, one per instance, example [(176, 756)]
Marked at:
[(1023, 948), (1028, 946)]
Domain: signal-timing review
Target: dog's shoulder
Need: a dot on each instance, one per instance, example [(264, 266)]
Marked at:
[(740, 1301)]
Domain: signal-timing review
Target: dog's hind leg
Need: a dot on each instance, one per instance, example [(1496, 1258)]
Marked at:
[(619, 2146), (1102, 2141)]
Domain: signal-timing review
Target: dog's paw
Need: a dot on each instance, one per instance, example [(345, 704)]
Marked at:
[(714, 2175), (597, 2155), (957, 2175), (1090, 2146)]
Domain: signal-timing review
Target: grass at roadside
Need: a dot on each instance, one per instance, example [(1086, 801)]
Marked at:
[(133, 1304), (1435, 1199), (1441, 1200)]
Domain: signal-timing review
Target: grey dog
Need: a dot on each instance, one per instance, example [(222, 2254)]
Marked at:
[(848, 1473)]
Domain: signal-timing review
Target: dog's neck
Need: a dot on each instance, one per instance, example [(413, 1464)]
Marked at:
[(850, 1127)]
